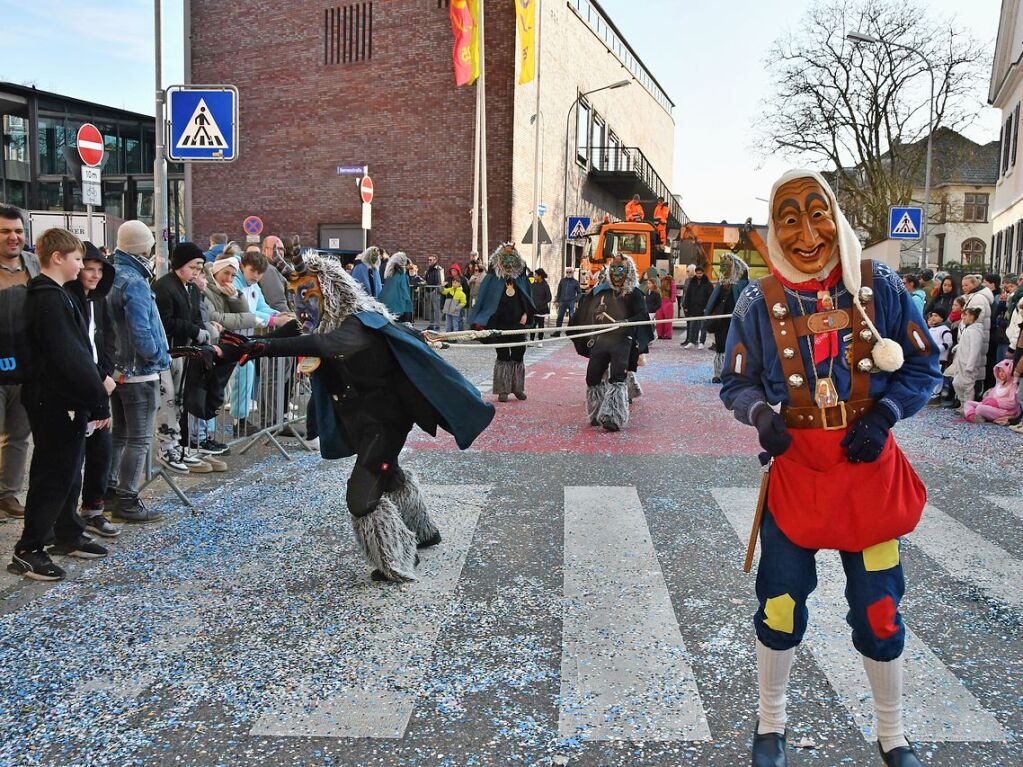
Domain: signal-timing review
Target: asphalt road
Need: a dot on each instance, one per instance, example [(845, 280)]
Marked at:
[(587, 607)]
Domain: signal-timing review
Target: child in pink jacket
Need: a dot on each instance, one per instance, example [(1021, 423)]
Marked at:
[(1000, 403)]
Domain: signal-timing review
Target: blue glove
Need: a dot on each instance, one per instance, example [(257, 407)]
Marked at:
[(866, 438), (771, 430)]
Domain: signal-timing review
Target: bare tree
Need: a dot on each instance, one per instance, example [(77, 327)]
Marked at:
[(859, 111)]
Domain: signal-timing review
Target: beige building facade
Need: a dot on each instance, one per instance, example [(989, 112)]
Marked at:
[(620, 141), (1006, 93)]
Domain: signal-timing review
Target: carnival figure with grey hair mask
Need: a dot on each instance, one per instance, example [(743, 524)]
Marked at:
[(733, 277), (367, 270), (373, 380), (615, 298), (505, 302), (840, 346)]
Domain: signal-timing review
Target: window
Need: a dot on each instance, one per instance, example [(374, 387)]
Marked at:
[(348, 33), (975, 207), (582, 132), (973, 251), (52, 139), (15, 138), (1008, 245), (1006, 144), (597, 150), (1015, 132), (615, 153)]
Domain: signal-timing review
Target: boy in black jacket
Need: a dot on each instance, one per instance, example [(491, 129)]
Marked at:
[(60, 398), (89, 292)]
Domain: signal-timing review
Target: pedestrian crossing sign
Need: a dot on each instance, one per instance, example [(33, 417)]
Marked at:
[(203, 123), (577, 226), (904, 223)]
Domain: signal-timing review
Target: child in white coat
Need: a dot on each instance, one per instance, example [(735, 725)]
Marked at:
[(968, 364)]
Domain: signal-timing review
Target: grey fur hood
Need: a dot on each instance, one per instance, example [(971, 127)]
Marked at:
[(631, 277), (342, 295), (499, 269), (397, 261)]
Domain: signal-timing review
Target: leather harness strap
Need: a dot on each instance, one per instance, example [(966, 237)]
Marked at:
[(787, 342), (860, 388)]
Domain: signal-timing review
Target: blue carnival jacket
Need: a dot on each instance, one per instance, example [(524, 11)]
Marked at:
[(903, 392), (396, 294), (462, 411), (141, 341), (489, 296), (368, 278)]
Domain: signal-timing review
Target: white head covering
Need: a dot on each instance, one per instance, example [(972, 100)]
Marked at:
[(887, 354)]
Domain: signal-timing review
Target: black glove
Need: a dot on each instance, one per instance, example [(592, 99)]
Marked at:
[(771, 430), (238, 348), (867, 437)]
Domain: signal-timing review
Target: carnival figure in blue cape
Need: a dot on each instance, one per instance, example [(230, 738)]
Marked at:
[(397, 293), (374, 382), (367, 271), (505, 302)]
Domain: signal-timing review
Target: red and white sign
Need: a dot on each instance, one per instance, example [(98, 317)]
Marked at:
[(90, 145), (366, 189)]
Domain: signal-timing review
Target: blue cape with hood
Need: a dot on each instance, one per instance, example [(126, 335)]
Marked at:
[(461, 410), (489, 296)]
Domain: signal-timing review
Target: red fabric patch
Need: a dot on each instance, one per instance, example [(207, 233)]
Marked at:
[(881, 616)]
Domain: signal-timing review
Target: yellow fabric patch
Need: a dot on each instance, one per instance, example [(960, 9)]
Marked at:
[(883, 556), (779, 613)]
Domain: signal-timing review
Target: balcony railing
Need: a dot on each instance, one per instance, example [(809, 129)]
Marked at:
[(625, 171)]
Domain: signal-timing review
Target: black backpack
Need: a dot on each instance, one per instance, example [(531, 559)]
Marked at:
[(15, 345)]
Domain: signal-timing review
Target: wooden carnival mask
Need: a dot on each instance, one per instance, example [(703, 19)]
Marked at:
[(804, 223)]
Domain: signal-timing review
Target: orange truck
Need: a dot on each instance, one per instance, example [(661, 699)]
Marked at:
[(634, 239)]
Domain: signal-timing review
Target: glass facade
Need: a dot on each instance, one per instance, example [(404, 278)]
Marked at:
[(35, 175)]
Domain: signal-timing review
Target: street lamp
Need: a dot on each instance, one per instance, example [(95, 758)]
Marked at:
[(860, 37), (568, 125)]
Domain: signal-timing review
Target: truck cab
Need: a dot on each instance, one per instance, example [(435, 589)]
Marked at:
[(635, 239)]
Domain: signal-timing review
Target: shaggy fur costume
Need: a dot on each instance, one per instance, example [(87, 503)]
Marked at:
[(397, 260), (614, 412), (342, 295), (500, 270), (504, 376), (408, 499), (594, 400), (518, 370), (387, 542), (635, 390)]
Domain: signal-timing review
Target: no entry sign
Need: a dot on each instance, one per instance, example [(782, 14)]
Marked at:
[(366, 189), (90, 145)]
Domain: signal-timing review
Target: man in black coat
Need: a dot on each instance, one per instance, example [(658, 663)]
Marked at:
[(698, 290), (61, 398), (89, 292)]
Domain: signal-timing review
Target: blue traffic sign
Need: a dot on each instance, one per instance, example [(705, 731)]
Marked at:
[(905, 223), (577, 226), (203, 123)]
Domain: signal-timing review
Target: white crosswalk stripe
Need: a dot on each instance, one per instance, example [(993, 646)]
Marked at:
[(937, 705), (397, 655), (624, 673), (1012, 504)]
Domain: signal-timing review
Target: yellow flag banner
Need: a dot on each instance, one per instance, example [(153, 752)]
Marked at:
[(465, 54), (525, 16)]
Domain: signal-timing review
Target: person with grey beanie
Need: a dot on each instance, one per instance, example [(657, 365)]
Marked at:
[(140, 356)]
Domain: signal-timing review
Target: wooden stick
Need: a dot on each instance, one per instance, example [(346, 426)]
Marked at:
[(757, 519)]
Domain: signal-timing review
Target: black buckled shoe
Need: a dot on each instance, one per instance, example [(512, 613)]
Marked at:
[(900, 756), (768, 749)]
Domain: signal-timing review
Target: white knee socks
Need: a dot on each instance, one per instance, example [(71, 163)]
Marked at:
[(773, 667), (886, 685)]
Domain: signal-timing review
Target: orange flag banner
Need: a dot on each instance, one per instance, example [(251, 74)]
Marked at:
[(466, 51)]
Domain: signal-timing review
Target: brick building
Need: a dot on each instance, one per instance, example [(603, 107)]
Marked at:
[(371, 83)]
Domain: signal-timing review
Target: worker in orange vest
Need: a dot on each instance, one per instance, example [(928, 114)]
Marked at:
[(634, 209), (661, 217)]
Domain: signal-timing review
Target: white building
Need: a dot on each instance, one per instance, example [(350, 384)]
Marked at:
[(1006, 93)]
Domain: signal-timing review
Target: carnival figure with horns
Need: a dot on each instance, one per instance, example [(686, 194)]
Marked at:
[(375, 380), (838, 343), (505, 302), (615, 298)]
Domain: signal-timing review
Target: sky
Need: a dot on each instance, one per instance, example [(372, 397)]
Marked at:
[(708, 56)]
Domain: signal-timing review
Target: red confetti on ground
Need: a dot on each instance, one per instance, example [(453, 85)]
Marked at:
[(679, 413)]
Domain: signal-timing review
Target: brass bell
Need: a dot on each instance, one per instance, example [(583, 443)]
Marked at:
[(866, 295), (788, 353), (865, 334), (865, 365), (796, 380), (780, 311)]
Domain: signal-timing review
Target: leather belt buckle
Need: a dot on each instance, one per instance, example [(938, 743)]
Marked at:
[(824, 417)]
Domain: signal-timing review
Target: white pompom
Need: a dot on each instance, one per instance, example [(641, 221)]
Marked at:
[(887, 355)]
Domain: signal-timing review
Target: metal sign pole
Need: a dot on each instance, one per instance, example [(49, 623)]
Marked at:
[(88, 226), (160, 161)]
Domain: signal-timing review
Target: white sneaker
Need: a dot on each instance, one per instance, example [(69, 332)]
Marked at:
[(171, 458), (190, 459), (687, 346), (699, 346)]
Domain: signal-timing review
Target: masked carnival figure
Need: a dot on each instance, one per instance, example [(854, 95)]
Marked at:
[(375, 381), (505, 302), (367, 271), (396, 294), (838, 343), (732, 280), (615, 298)]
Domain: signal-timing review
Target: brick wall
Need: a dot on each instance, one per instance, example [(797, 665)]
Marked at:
[(399, 113)]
